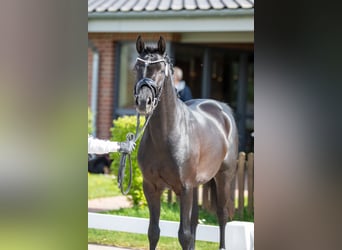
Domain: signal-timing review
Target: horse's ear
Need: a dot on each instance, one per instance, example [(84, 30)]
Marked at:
[(140, 45), (161, 45)]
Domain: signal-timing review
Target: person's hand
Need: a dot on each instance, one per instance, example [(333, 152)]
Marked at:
[(126, 147)]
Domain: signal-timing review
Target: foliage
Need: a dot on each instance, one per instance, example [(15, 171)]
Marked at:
[(90, 120), (123, 126)]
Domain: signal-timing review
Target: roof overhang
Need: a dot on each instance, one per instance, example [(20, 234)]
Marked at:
[(240, 20)]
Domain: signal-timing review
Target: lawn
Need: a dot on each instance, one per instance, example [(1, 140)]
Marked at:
[(140, 241), (168, 212), (100, 185)]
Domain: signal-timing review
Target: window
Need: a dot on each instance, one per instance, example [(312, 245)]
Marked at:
[(125, 79)]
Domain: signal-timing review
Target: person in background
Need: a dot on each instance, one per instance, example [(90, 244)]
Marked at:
[(183, 90), (98, 146)]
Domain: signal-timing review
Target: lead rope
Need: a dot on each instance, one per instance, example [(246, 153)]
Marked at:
[(123, 158)]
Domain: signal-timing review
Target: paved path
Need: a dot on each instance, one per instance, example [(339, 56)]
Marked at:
[(108, 203)]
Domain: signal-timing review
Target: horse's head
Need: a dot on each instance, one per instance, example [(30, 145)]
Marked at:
[(152, 68)]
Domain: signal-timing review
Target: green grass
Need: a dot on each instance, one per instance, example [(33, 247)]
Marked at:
[(100, 185), (171, 212), (139, 241), (167, 212)]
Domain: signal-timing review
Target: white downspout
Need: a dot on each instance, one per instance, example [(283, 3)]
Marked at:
[(94, 85)]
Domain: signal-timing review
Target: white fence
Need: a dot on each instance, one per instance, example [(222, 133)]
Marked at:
[(239, 235)]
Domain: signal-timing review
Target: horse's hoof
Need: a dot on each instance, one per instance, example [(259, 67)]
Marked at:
[(222, 249)]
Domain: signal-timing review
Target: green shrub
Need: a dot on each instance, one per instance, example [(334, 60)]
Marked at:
[(90, 119), (123, 126)]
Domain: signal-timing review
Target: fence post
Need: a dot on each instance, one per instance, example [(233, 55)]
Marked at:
[(241, 182), (250, 171)]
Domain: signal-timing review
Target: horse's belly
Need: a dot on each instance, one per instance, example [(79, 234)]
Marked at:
[(207, 169)]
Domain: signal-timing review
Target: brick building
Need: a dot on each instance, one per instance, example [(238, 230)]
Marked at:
[(212, 41)]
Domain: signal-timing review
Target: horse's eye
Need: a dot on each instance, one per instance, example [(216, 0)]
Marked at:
[(138, 66)]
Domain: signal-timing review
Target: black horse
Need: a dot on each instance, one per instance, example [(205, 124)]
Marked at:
[(184, 145)]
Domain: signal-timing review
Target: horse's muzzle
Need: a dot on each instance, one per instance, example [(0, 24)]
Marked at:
[(145, 93), (144, 102)]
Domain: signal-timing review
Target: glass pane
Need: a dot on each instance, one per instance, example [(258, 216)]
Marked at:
[(126, 75), (190, 59)]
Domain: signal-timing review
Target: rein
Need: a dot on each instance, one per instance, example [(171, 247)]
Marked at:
[(138, 134)]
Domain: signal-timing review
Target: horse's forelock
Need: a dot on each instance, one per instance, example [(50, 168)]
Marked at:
[(150, 49)]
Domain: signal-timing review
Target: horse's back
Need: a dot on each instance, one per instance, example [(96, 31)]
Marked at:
[(221, 115), (208, 105), (213, 109)]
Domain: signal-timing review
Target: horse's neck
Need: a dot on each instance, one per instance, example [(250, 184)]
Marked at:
[(167, 113)]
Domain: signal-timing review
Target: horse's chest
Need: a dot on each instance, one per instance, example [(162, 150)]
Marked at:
[(160, 163)]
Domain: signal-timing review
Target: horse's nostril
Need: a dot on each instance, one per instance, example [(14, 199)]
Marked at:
[(149, 101), (137, 100)]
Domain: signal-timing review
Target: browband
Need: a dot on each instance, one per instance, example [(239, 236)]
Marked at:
[(147, 62)]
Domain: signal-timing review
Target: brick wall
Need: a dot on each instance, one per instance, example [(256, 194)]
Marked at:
[(105, 44), (90, 64)]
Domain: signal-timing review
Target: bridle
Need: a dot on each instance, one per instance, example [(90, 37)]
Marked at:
[(156, 93), (164, 60), (151, 84)]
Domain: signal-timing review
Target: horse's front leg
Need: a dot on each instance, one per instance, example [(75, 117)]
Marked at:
[(185, 236), (153, 200)]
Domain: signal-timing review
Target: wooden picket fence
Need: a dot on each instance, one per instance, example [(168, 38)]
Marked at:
[(245, 176)]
